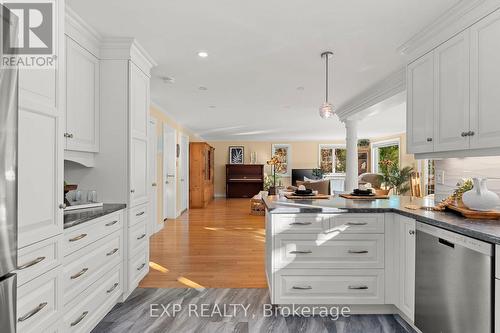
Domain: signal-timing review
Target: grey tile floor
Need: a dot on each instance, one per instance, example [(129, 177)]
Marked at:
[(152, 310)]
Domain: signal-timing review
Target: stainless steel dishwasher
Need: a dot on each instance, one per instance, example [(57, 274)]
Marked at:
[(453, 282)]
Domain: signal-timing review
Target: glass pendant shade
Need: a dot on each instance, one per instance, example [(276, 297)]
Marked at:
[(326, 111)]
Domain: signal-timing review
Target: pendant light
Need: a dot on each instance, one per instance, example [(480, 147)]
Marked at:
[(326, 110)]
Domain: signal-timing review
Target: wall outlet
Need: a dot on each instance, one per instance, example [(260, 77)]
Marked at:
[(440, 177)]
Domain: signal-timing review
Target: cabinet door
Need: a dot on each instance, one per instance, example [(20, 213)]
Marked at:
[(139, 101), (485, 80), (138, 172), (451, 116), (420, 104), (82, 99), (407, 265)]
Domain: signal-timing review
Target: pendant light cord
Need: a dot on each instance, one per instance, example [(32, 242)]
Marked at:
[(326, 77)]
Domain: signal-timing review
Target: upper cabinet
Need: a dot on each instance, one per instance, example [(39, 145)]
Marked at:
[(82, 98), (452, 99)]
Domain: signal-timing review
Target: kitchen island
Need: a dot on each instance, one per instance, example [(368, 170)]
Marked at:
[(361, 253)]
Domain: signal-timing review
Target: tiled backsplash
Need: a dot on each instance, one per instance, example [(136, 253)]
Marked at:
[(457, 168)]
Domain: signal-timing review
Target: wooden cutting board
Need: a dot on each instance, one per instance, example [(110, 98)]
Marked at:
[(474, 214), (308, 197), (356, 197)]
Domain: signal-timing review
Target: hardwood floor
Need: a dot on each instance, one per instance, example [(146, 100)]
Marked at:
[(221, 246), (143, 312)]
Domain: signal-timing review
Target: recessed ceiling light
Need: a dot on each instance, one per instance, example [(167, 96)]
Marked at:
[(300, 88), (202, 54), (167, 79), (202, 88), (212, 106)]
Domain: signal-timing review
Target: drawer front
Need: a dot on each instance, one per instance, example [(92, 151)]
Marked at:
[(138, 267), (39, 302), (312, 224), (80, 236), (357, 223), (39, 258), (330, 287), (137, 214), (325, 251), (84, 267), (137, 238), (85, 311)]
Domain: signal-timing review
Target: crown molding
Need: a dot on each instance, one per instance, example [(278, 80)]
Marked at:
[(391, 85), (459, 17), (127, 48), (81, 32), (169, 115)]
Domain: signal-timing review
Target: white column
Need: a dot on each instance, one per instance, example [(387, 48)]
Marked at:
[(351, 179)]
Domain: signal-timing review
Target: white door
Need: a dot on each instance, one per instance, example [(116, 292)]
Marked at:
[(485, 80), (82, 98), (407, 239), (451, 120), (139, 110), (154, 225), (169, 172), (420, 104), (184, 172)]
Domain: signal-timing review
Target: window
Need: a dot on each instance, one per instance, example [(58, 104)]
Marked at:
[(332, 158), (385, 150)]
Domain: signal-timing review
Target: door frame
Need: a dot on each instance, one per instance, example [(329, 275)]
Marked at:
[(184, 173), (169, 133)]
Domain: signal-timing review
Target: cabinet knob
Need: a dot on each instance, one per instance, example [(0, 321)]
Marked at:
[(68, 135), (132, 191), (471, 133), (166, 181), (464, 134), (154, 184), (411, 232), (62, 206), (429, 139)]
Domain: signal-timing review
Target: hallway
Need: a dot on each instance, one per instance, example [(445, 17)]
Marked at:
[(221, 246)]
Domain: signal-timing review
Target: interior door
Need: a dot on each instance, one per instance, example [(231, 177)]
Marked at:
[(154, 224), (184, 172), (485, 80), (420, 104), (169, 172), (451, 119)]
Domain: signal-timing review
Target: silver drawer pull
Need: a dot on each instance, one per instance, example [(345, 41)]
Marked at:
[(31, 263), (82, 316), (110, 290), (139, 214), (301, 223), (32, 312), (357, 251), (77, 238), (302, 288), (80, 273), (111, 223), (141, 267), (358, 287), (110, 253), (357, 223), (141, 236), (301, 252)]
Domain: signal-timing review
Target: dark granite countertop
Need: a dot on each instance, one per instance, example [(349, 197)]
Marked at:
[(486, 230), (75, 217)]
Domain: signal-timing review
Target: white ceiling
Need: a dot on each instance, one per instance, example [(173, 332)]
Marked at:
[(260, 52)]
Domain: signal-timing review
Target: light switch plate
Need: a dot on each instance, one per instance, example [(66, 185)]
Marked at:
[(440, 177)]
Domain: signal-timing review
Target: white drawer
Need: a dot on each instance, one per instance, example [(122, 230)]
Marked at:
[(39, 302), (329, 251), (497, 262), (85, 266), (137, 214), (39, 258), (357, 223), (137, 238), (295, 286), (138, 267), (85, 311), (80, 236), (304, 223)]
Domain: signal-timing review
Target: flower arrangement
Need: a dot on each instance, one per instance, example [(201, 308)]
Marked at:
[(277, 163)]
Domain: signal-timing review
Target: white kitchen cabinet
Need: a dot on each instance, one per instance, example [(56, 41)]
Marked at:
[(485, 80), (82, 98), (420, 104), (407, 243), (451, 113)]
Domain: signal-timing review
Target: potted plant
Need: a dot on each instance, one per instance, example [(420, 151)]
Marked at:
[(395, 179), (275, 162)]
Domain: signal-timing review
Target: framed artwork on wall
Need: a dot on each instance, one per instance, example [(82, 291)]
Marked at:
[(236, 155), (284, 151)]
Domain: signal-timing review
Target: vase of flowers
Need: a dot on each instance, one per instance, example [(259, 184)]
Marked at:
[(275, 162)]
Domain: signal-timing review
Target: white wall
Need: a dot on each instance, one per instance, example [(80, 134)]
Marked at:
[(458, 168)]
